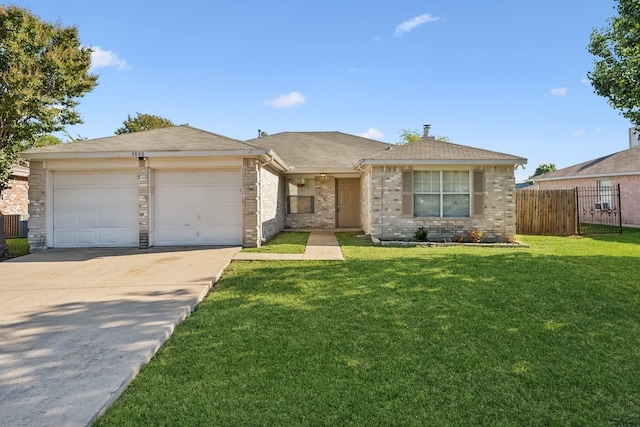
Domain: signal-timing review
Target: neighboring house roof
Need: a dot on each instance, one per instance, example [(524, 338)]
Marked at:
[(626, 162), (19, 170), (428, 150), (172, 141), (521, 185), (320, 151)]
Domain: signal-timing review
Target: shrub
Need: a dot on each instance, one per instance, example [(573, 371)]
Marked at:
[(421, 234), (475, 235)]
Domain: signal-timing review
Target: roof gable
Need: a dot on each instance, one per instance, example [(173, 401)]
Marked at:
[(432, 151)]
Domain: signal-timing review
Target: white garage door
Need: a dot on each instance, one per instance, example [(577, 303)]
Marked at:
[(95, 209), (197, 208)]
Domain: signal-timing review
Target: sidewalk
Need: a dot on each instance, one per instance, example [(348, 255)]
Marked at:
[(322, 245)]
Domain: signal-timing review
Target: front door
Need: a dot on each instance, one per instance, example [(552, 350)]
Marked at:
[(348, 202)]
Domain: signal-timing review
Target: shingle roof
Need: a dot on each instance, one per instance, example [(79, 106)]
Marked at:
[(626, 162), (176, 138), (320, 150), (304, 151), (430, 150)]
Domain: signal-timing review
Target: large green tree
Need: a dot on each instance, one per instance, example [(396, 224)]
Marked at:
[(143, 122), (44, 70), (616, 71)]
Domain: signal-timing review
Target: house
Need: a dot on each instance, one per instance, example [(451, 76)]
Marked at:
[(604, 173), (186, 186), (14, 199)]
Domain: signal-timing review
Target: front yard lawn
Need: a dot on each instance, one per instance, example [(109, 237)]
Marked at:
[(287, 242), (546, 335), (18, 247)]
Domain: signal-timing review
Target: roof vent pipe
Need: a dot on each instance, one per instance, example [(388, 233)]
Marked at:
[(259, 133), (425, 131)]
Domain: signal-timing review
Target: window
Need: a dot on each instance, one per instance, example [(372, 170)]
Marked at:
[(441, 194), (300, 195), (604, 194)]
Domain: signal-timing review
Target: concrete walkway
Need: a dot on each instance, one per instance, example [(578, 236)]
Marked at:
[(322, 245)]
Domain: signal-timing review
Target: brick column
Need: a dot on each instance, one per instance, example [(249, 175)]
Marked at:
[(250, 203), (37, 207), (143, 204)]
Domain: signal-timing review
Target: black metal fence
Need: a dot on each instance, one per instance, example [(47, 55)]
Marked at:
[(599, 209)]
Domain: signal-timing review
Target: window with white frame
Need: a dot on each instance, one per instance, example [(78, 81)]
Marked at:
[(604, 194), (441, 194), (300, 195)]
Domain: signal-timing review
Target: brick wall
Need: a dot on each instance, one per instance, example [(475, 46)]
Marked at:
[(324, 215), (272, 201), (497, 222), (143, 204), (37, 207), (629, 193), (250, 203), (365, 205), (14, 200)]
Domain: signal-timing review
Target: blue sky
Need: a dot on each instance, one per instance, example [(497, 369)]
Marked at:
[(503, 75)]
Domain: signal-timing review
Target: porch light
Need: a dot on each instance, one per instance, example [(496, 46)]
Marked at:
[(323, 176)]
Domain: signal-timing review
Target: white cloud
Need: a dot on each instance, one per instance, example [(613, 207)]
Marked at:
[(585, 81), (578, 133), (559, 91), (105, 58), (372, 133), (291, 99), (412, 23)]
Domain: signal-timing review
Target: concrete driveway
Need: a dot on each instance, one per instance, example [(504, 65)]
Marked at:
[(77, 325)]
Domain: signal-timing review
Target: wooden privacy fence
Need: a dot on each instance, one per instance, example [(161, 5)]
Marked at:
[(546, 212), (15, 226)]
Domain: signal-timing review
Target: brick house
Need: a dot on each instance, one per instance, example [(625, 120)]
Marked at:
[(185, 186), (14, 199), (621, 168)]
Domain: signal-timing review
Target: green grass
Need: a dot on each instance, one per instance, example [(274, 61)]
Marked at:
[(289, 242), (18, 247), (546, 335)]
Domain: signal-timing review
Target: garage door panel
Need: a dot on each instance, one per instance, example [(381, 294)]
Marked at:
[(94, 209), (197, 208)]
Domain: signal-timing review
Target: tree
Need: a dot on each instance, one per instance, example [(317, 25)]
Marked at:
[(143, 122), (43, 71), (408, 135), (616, 71), (544, 168)]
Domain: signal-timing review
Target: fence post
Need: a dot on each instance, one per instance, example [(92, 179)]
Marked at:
[(619, 209), (4, 249)]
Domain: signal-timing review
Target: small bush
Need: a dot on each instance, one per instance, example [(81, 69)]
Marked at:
[(421, 234), (475, 235)]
